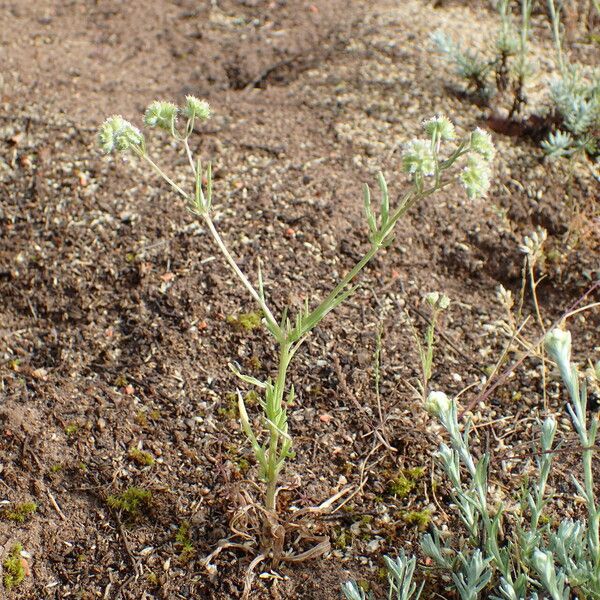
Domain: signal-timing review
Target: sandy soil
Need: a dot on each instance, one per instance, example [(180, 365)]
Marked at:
[(118, 317)]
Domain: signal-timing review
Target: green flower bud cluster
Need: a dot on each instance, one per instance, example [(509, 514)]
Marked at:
[(421, 157), (476, 175), (117, 134)]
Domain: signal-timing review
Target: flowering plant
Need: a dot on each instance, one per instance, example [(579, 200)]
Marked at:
[(430, 165)]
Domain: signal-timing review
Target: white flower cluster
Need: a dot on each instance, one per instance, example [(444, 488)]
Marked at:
[(420, 157), (476, 175), (118, 134)]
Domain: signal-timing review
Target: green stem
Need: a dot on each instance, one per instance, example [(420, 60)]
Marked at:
[(277, 331), (273, 408), (316, 316), (279, 334), (555, 26)]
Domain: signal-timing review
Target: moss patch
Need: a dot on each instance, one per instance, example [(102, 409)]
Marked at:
[(249, 321), (20, 512), (184, 541), (405, 481), (131, 501), (14, 569), (141, 458)]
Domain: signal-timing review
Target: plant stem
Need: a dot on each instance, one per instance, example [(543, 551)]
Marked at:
[(279, 334), (317, 315), (555, 25), (273, 408), (274, 326)]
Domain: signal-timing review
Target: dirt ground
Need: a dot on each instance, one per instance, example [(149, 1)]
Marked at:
[(119, 318)]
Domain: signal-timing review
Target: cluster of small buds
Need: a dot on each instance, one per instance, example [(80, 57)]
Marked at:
[(532, 243), (437, 404), (195, 108), (481, 143), (418, 158), (161, 114), (439, 127), (118, 134), (558, 346), (476, 176), (437, 300)]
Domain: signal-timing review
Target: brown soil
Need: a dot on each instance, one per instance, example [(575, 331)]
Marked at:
[(114, 329)]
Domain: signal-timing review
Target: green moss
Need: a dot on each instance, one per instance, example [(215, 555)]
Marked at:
[(131, 501), (141, 458), (405, 481), (141, 419), (56, 468), (341, 538), (249, 321), (231, 409), (14, 569), (71, 429), (255, 363), (417, 518), (251, 398), (183, 539), (20, 513), (152, 578), (121, 381)]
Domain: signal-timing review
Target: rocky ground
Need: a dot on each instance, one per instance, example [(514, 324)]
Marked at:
[(119, 316)]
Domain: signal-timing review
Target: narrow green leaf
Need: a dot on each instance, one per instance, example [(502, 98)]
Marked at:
[(385, 198), (247, 378)]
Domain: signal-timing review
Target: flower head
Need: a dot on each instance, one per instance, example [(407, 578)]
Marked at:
[(440, 126), (532, 243), (558, 346), (481, 142), (196, 108), (418, 158), (437, 404), (161, 114), (437, 300), (476, 176), (118, 134)]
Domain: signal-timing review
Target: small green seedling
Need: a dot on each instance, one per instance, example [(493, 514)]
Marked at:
[(184, 541)]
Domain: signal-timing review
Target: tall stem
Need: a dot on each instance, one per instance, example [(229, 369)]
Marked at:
[(242, 277), (273, 408), (273, 325)]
